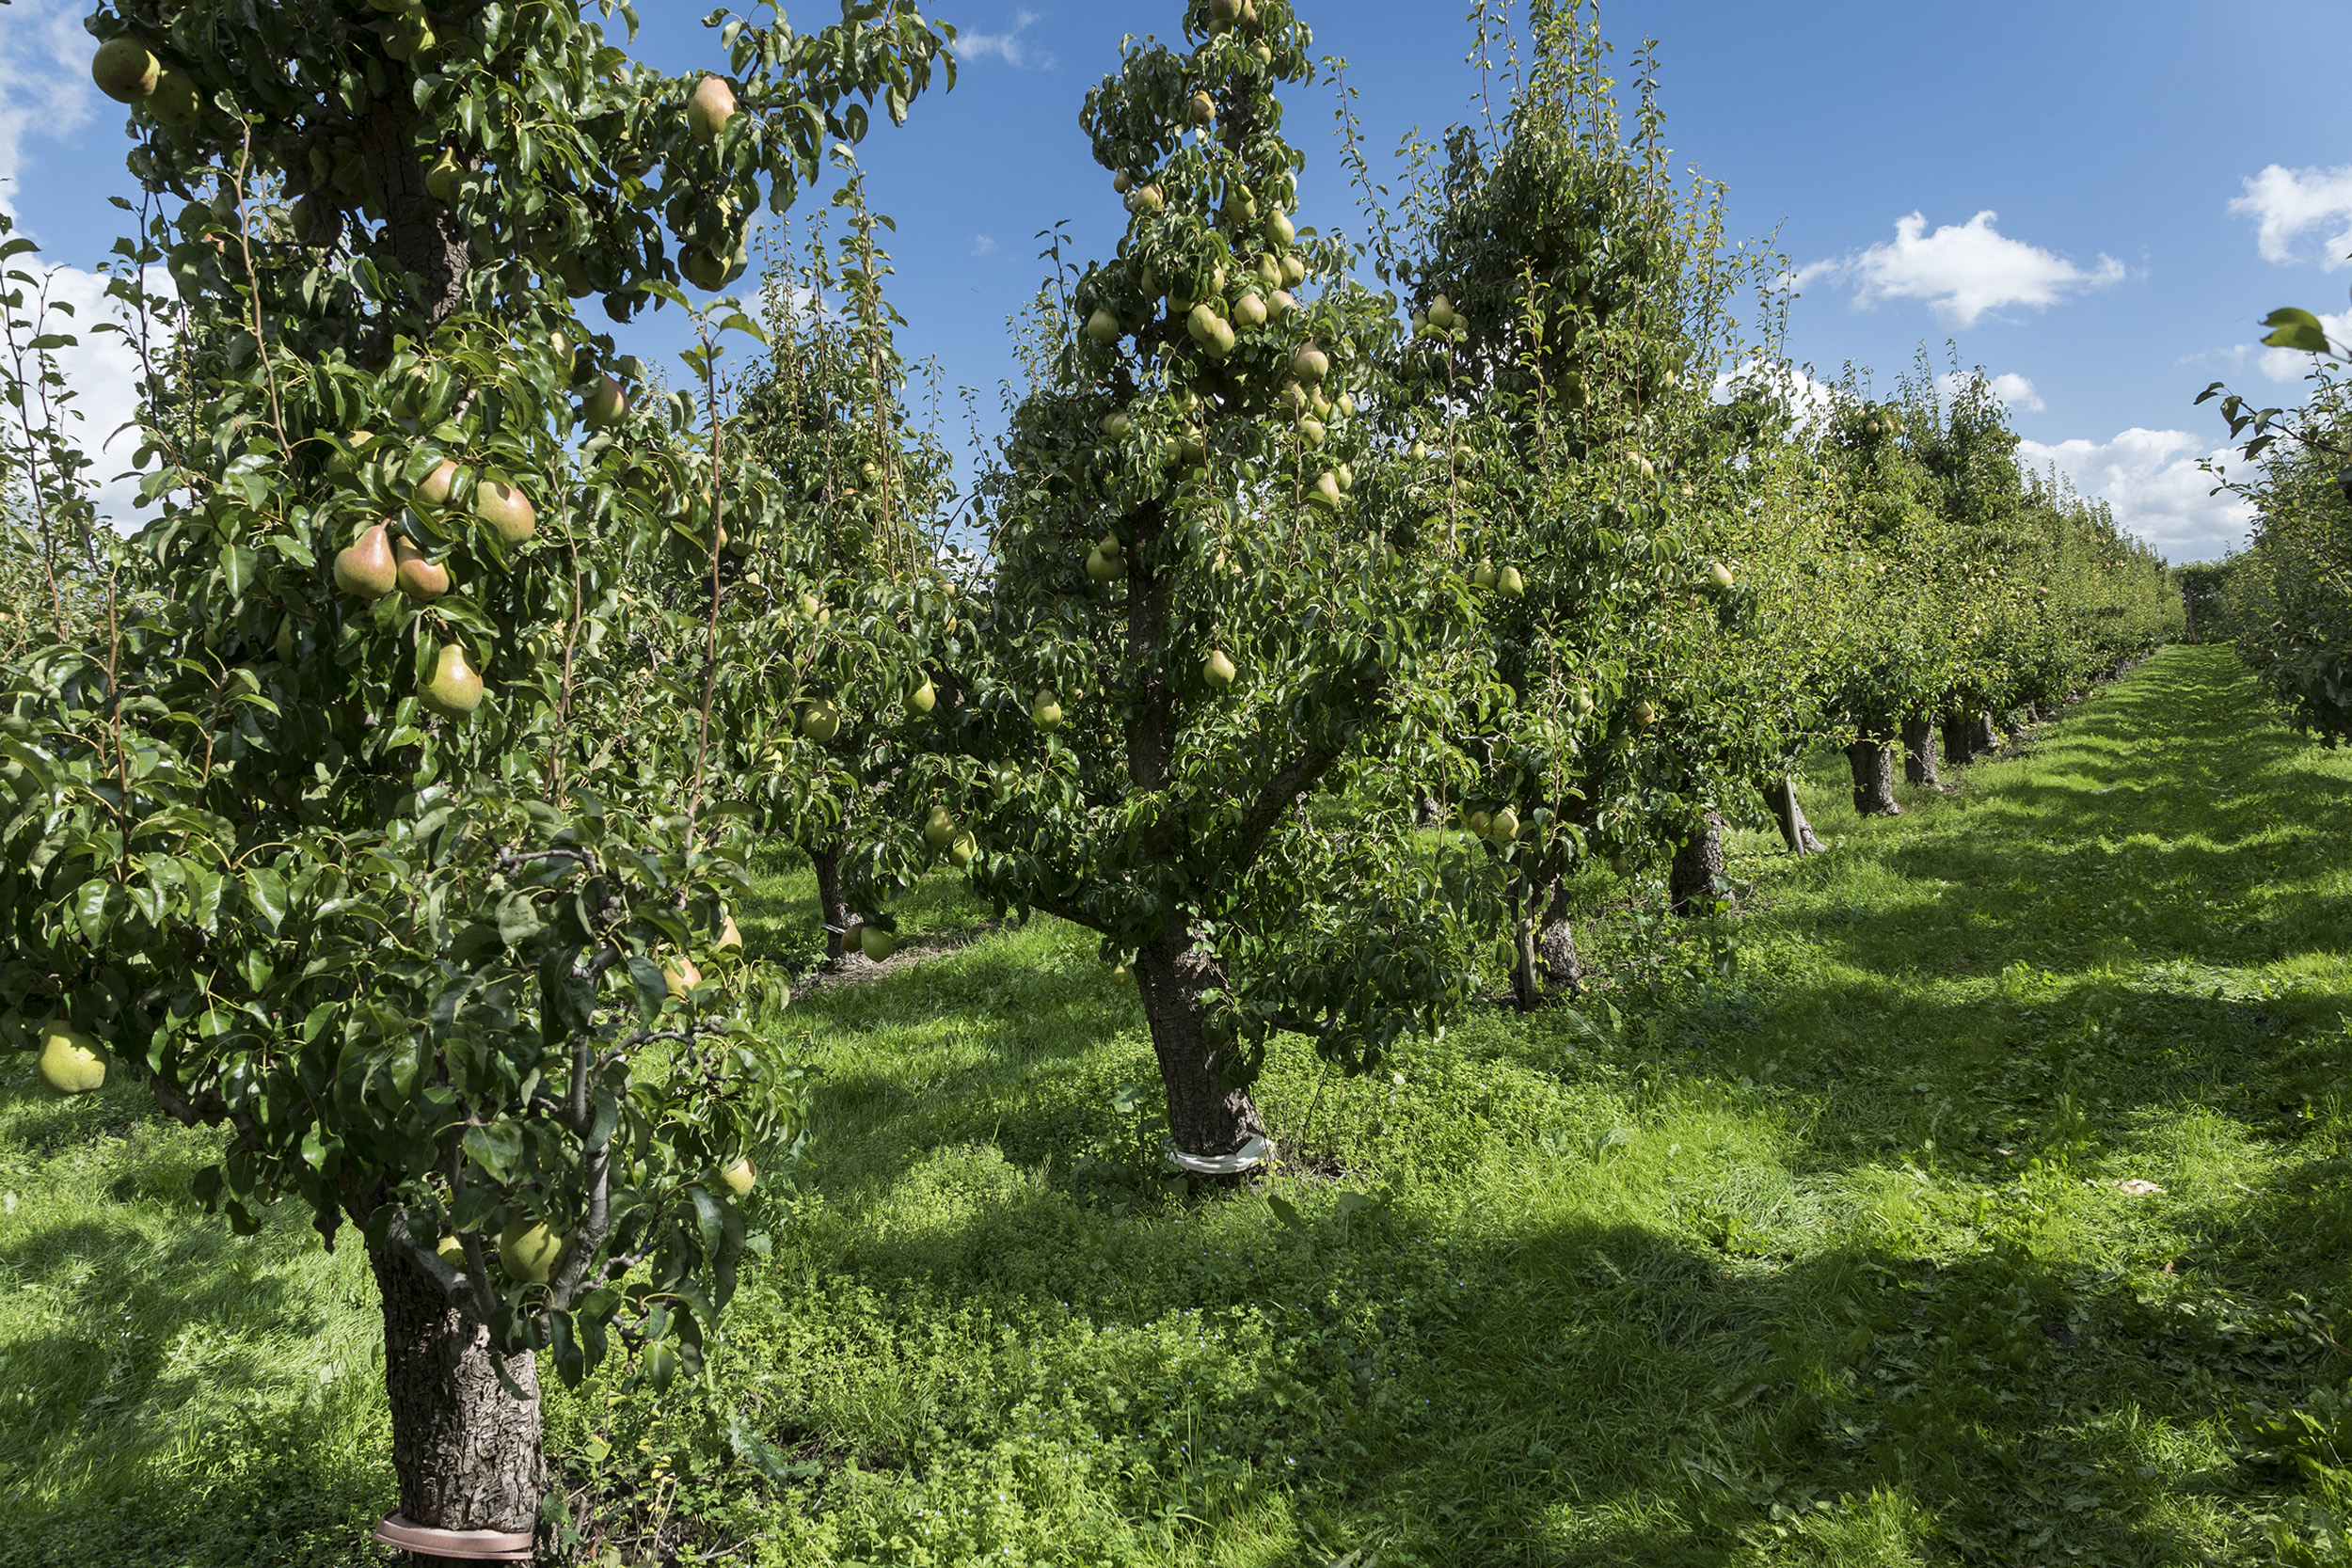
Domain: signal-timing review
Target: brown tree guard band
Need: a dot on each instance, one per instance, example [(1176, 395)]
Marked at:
[(466, 1545)]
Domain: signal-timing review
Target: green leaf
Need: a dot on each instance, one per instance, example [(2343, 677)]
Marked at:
[(651, 990), (495, 1149)]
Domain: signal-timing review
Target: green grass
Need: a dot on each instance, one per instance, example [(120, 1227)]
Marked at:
[(1813, 1254)]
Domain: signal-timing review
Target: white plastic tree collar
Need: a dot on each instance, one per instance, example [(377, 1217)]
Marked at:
[(1250, 1156)]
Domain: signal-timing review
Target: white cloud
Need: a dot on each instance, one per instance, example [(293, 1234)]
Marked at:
[(2152, 480), (2012, 390), (101, 369), (2289, 202), (45, 81), (1804, 396), (1007, 46), (1961, 270), (983, 246)]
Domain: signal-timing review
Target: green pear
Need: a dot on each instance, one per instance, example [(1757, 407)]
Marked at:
[(1117, 425), (366, 569), (1441, 315), (1483, 575), (1249, 310), (1279, 234), (70, 1060), (124, 70), (1505, 826), (1312, 428), (730, 934), (809, 606), (923, 698), (440, 181), (1310, 364), (1045, 713), (1102, 569), (456, 689), (1644, 714), (1294, 270), (821, 721), (709, 271), (1326, 493), (740, 1177), (175, 101), (506, 509), (1280, 304), (1509, 583), (1478, 822), (1102, 326), (436, 488), (964, 849), (527, 1251), (606, 406), (1122, 182), (1203, 109), (876, 944), (1219, 670), (939, 828), (421, 579), (1720, 575), (1145, 200), (710, 107), (1583, 702)]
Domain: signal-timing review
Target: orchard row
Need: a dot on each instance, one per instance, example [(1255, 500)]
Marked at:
[(1317, 645)]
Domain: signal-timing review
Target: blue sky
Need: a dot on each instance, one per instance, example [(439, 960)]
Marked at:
[(2095, 201)]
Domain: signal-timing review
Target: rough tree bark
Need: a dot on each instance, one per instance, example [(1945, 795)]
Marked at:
[(466, 1451), (1872, 759), (1980, 736), (1697, 877), (1555, 945), (1789, 811), (1955, 739), (425, 237), (1174, 976), (1545, 947), (1919, 751), (829, 904)]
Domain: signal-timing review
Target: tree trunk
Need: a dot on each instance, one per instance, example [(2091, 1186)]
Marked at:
[(1555, 945), (466, 1451), (1204, 1117), (1919, 751), (424, 236), (830, 907), (1955, 739), (1697, 880), (1795, 831), (1980, 736), (1872, 760)]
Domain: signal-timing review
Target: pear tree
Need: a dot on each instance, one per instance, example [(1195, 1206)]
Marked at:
[(318, 841), (1203, 652), (853, 609)]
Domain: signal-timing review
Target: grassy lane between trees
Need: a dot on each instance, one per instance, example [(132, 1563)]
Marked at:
[(1981, 1196)]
